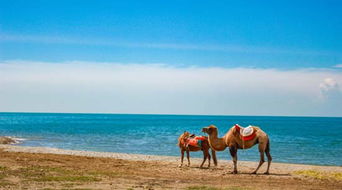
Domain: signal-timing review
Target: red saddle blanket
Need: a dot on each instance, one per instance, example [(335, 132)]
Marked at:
[(247, 133), (195, 141)]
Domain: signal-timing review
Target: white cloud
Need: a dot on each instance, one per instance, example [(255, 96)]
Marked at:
[(156, 88), (329, 84), (330, 89), (151, 45)]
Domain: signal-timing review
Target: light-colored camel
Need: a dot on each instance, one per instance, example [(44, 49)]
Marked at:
[(233, 140), (184, 147)]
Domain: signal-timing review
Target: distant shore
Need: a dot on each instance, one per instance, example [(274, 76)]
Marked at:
[(41, 167)]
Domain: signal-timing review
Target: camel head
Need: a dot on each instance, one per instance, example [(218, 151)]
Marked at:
[(210, 129), (185, 135), (183, 138)]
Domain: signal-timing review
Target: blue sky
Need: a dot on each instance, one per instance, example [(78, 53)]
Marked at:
[(290, 37), (282, 34)]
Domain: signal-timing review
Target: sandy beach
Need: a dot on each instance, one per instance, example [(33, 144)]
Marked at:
[(49, 168)]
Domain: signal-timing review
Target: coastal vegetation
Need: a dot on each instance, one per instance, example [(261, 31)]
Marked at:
[(320, 175)]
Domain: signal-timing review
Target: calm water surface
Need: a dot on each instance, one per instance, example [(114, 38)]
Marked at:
[(309, 140)]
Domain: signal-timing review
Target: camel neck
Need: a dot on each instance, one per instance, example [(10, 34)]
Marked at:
[(216, 143)]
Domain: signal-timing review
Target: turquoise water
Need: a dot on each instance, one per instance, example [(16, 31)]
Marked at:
[(308, 140)]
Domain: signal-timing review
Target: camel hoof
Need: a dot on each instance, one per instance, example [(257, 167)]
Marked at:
[(253, 173), (266, 173), (234, 172), (180, 166)]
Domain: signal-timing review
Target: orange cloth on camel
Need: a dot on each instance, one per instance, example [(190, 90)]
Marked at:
[(194, 141)]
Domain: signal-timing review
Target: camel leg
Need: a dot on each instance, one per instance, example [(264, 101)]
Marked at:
[(269, 157), (208, 158), (182, 157), (213, 154), (205, 155), (188, 156), (262, 157), (233, 153)]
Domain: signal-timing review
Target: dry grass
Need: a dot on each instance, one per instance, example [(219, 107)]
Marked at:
[(320, 175)]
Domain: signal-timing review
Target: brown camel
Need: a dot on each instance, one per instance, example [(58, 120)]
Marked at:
[(185, 147), (234, 141)]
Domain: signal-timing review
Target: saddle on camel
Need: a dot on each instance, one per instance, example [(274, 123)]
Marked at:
[(246, 134), (191, 143)]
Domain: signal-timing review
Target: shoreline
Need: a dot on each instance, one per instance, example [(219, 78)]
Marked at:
[(118, 155), (285, 167)]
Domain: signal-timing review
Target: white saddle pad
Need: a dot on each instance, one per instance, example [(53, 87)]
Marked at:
[(246, 131)]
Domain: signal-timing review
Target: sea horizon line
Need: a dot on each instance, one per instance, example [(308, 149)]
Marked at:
[(166, 114)]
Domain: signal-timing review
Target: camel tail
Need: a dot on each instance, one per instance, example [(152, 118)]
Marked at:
[(213, 153), (179, 144)]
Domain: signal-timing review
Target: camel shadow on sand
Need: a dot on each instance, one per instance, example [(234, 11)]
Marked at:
[(259, 174), (216, 169)]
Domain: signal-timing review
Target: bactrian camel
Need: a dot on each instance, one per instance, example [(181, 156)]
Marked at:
[(185, 146), (234, 140)]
